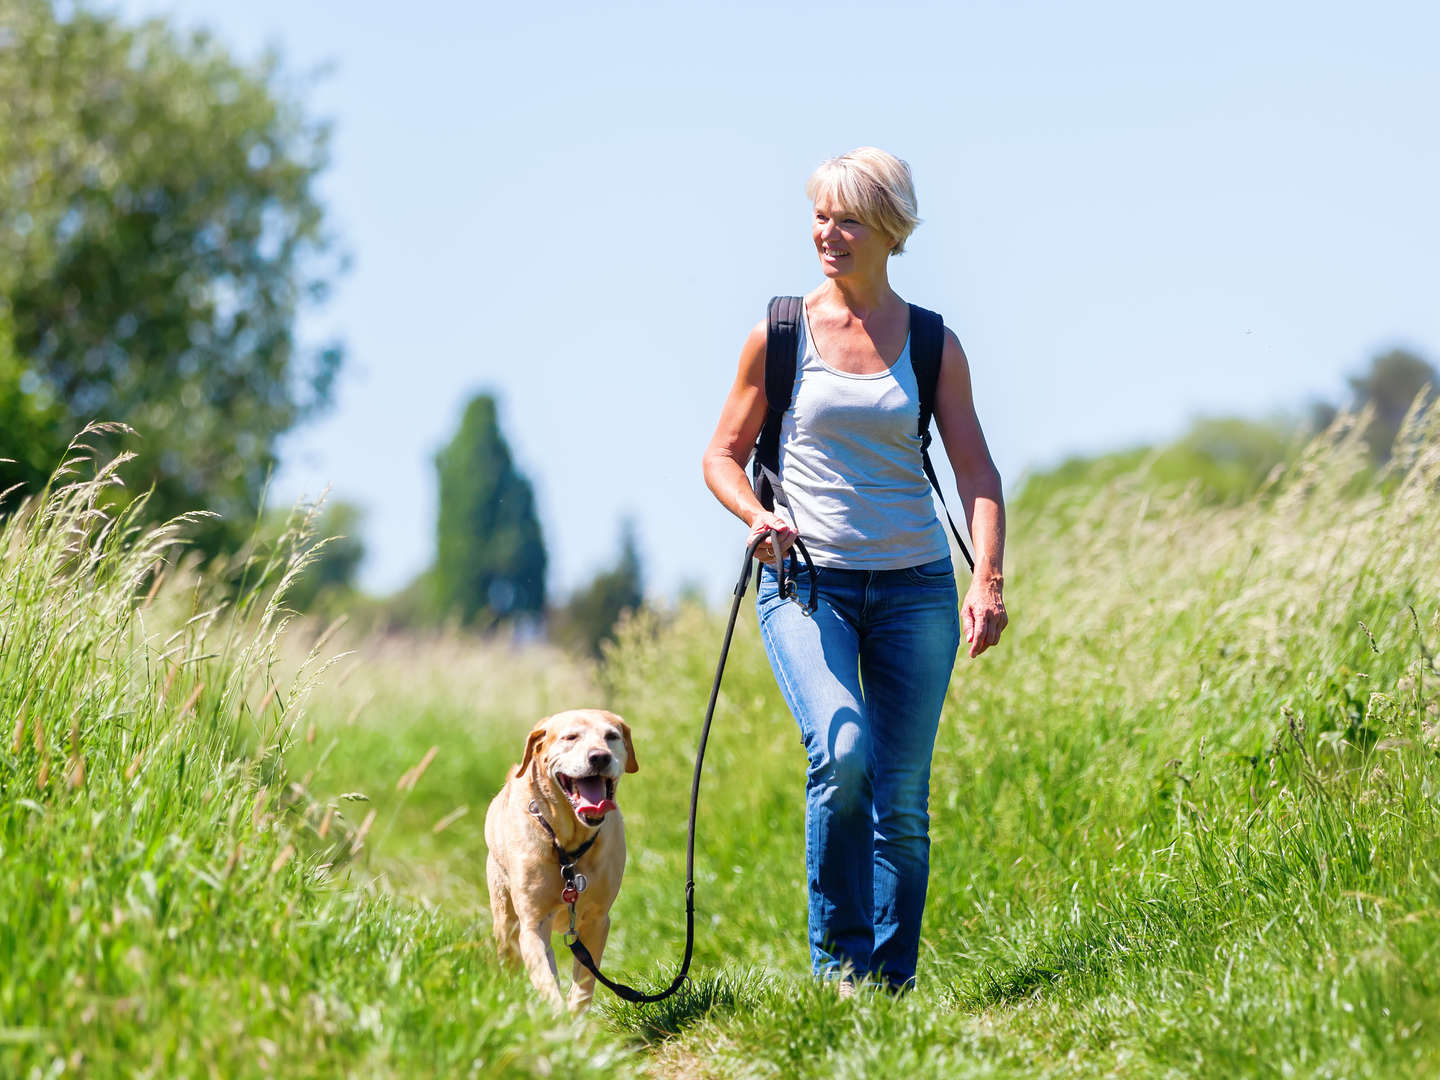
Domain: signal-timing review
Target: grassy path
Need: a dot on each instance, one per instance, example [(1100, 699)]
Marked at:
[(1184, 823)]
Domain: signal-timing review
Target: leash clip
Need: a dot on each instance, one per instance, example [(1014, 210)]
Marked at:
[(787, 579), (789, 590)]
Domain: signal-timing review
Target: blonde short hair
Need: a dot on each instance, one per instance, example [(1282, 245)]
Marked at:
[(874, 186)]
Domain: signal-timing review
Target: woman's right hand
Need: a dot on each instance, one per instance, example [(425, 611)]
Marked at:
[(765, 522)]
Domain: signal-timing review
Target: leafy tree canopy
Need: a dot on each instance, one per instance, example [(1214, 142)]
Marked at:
[(159, 232)]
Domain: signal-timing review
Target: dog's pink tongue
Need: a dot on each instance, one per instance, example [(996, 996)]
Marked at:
[(592, 790)]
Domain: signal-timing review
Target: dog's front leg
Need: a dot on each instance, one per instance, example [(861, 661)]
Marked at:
[(503, 920), (539, 957), (594, 929)]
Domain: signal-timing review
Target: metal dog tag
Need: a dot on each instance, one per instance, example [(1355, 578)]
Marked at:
[(580, 883)]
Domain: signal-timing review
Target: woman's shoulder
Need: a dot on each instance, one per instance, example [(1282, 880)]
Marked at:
[(752, 354)]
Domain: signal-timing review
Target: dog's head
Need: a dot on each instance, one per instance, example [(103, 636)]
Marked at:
[(582, 753)]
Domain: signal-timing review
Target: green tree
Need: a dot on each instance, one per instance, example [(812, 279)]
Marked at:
[(159, 233), (489, 550), (29, 422), (587, 620), (1390, 385)]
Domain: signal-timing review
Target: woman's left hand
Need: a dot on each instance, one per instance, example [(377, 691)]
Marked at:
[(982, 615)]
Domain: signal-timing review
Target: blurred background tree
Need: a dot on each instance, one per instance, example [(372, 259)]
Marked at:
[(489, 549), (1391, 384), (1225, 459), (588, 619), (159, 232)]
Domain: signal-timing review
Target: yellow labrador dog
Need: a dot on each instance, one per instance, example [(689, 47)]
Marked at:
[(557, 808)]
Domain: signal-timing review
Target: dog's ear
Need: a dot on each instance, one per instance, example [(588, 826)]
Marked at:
[(532, 743), (631, 765)]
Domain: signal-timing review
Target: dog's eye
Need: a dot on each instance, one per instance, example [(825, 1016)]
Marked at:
[(571, 737)]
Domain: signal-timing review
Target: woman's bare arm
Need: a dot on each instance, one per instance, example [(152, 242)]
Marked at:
[(741, 418), (978, 483)]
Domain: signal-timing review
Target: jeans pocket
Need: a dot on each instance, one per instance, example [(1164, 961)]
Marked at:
[(767, 590), (939, 572)]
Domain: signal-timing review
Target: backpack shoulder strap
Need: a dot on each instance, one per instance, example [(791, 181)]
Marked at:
[(782, 339), (927, 346)]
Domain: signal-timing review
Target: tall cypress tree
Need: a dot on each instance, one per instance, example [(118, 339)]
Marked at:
[(490, 552)]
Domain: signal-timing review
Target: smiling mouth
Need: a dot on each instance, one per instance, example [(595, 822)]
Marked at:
[(591, 797)]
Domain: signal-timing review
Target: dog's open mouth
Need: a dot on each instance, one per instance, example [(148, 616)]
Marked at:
[(591, 796)]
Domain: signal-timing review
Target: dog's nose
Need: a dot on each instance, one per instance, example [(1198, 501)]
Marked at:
[(601, 759)]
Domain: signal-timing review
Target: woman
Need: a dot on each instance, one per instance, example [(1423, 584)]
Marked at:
[(866, 676)]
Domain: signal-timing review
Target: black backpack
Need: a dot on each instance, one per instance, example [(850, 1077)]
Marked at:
[(782, 339)]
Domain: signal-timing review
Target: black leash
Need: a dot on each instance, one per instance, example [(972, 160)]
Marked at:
[(572, 939)]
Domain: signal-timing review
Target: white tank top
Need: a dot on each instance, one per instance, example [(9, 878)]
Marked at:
[(851, 468)]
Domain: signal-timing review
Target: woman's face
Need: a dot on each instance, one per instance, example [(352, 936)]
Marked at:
[(845, 244)]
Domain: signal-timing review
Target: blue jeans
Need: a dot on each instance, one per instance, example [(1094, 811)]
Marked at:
[(865, 678)]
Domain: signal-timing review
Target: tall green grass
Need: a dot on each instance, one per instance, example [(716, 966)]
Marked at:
[(1184, 819), (168, 903)]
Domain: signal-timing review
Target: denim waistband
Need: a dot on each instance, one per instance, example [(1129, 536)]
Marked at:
[(795, 566)]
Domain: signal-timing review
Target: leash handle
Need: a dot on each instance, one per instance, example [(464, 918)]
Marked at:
[(766, 482)]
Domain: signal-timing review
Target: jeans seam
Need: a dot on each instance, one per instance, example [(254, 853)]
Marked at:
[(790, 694)]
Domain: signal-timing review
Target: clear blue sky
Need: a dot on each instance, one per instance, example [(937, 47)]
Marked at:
[(1135, 213)]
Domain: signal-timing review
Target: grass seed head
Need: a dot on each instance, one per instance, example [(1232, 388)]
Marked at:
[(234, 859), (361, 833), (169, 681), (269, 697), (191, 700), (411, 776), (284, 857), (450, 819)]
